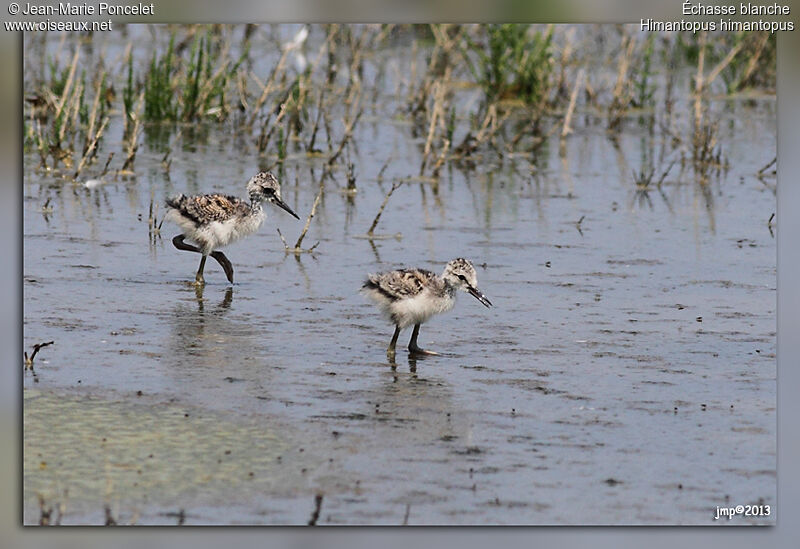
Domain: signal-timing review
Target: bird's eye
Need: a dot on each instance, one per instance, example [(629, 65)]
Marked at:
[(462, 277)]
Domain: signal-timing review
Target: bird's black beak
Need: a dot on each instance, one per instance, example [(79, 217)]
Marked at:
[(282, 205), (476, 293)]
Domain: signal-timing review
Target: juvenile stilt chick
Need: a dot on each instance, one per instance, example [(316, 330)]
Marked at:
[(215, 220), (412, 296)]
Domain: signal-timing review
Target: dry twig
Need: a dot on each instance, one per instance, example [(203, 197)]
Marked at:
[(29, 360)]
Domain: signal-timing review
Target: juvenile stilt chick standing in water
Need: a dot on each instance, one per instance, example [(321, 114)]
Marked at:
[(412, 296), (216, 220)]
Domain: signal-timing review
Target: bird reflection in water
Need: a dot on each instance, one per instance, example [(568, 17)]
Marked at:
[(198, 326), (412, 362), (224, 304)]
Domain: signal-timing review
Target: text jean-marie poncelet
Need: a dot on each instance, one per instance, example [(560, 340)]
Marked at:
[(84, 8)]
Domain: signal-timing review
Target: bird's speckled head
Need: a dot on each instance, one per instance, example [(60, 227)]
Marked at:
[(265, 187), (460, 274), (262, 186)]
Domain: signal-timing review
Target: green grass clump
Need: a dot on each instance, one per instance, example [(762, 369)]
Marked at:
[(187, 89), (514, 63), (159, 97), (644, 88)]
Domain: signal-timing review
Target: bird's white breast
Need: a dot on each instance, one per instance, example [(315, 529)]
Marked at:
[(418, 309), (231, 230), (217, 234)]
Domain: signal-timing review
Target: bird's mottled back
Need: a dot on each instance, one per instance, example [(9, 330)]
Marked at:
[(403, 283), (206, 208)]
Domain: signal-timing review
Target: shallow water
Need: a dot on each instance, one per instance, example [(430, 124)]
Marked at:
[(626, 374)]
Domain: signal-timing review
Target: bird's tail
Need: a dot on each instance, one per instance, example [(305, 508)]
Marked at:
[(370, 283)]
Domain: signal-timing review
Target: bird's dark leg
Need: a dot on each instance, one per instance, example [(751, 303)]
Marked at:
[(390, 351), (179, 243), (199, 276), (412, 345), (226, 265)]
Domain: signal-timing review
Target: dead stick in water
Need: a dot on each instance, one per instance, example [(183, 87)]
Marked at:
[(267, 87), (150, 215), (317, 506), (62, 101), (285, 244), (578, 224), (395, 186), (722, 64), (566, 130), (437, 113), (108, 161), (44, 512), (29, 360), (110, 521), (698, 90), (383, 169), (348, 134), (90, 151), (310, 217), (664, 175), (765, 168), (315, 127), (440, 160), (132, 144)]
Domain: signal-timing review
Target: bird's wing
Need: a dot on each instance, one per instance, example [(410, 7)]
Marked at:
[(401, 284), (208, 207)]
